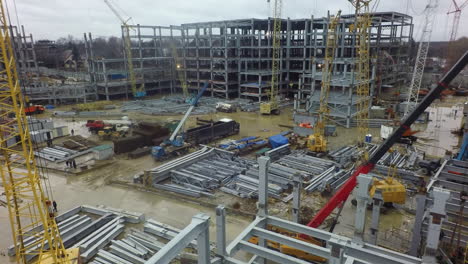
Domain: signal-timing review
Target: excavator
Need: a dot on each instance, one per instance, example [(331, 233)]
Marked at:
[(387, 186)]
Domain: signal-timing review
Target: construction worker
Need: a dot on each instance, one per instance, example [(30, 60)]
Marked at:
[(54, 204)]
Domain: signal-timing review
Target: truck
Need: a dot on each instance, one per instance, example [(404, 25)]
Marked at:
[(34, 109)]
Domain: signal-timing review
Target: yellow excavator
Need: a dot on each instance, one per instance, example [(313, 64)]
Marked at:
[(317, 142)]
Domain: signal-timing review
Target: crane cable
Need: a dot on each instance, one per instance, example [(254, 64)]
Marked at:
[(42, 170)]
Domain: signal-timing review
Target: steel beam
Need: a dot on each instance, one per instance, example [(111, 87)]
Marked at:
[(220, 230), (198, 228), (263, 163), (297, 188), (270, 254), (292, 242)]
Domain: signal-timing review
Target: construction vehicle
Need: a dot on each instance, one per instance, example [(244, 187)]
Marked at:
[(176, 145), (317, 142), (137, 92), (34, 109), (272, 106), (112, 132), (95, 125), (28, 195)]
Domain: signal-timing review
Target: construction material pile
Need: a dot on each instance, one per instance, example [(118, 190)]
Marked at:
[(177, 105), (59, 154), (402, 162)]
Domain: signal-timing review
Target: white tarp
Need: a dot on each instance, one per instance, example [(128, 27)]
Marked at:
[(385, 131)]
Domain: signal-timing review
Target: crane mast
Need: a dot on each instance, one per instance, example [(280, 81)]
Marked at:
[(317, 141), (27, 203), (361, 27), (272, 105), (423, 48), (137, 92)]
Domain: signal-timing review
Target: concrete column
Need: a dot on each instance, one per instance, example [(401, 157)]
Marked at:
[(263, 163), (297, 187), (416, 238), (437, 214), (220, 231), (377, 204), (362, 197), (203, 246)]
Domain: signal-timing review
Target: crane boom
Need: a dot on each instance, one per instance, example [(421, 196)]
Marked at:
[(137, 92), (317, 141), (342, 194), (423, 48), (362, 24), (193, 103), (28, 206)]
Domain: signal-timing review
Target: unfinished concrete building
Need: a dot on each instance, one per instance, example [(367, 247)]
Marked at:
[(152, 65), (236, 56), (35, 81), (389, 37)]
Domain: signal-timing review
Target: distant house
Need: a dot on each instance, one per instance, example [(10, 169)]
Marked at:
[(68, 61)]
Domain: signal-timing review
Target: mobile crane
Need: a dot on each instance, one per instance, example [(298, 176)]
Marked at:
[(29, 201), (175, 144), (317, 141)]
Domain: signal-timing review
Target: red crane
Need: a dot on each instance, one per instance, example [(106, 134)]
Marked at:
[(456, 18)]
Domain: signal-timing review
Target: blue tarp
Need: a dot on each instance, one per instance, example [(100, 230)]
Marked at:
[(277, 141)]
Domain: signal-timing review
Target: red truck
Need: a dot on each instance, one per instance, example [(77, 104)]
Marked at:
[(34, 109), (95, 125)]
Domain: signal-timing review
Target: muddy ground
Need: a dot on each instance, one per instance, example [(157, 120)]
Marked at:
[(98, 186)]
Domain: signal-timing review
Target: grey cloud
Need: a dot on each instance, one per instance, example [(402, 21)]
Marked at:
[(57, 18)]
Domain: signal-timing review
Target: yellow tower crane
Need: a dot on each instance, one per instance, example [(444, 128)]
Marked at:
[(361, 27), (272, 107), (180, 70), (317, 141), (28, 205), (137, 92)]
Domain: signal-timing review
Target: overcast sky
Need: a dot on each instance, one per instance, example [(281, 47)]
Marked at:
[(51, 19)]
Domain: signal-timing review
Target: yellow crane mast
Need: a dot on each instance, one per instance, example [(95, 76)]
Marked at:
[(27, 203), (137, 92), (317, 141), (272, 107), (179, 64), (361, 27)]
